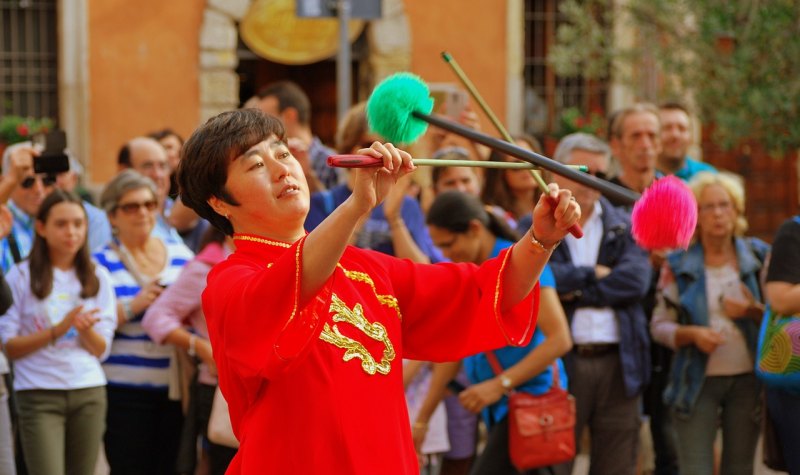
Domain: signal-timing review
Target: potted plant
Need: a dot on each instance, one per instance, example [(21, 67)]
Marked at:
[(574, 120), (15, 129)]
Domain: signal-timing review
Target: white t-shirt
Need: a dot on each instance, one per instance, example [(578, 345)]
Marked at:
[(732, 356), (66, 364)]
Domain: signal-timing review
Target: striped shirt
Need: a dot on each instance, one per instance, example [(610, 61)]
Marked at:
[(136, 361)]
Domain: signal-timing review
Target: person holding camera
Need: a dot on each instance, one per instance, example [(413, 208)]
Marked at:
[(57, 331), (143, 422), (22, 191)]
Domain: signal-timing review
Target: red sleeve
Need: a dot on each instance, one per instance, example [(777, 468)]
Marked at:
[(453, 310), (253, 315)]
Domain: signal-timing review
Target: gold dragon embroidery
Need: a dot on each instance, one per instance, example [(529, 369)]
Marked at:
[(354, 349)]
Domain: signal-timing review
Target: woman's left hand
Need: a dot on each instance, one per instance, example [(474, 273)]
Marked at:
[(372, 184), (478, 396), (745, 305), (553, 217), (85, 320)]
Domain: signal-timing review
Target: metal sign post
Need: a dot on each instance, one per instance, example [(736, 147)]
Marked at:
[(344, 10)]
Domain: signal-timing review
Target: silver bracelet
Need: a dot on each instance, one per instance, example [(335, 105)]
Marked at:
[(127, 312), (192, 351)]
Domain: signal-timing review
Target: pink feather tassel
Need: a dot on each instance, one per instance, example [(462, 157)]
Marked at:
[(665, 216)]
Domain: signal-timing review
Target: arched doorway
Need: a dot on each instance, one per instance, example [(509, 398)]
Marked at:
[(230, 73)]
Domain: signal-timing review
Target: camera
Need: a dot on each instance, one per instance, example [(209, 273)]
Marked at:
[(53, 158), (448, 99)]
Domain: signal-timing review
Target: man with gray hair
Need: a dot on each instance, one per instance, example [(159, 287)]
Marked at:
[(22, 191), (636, 144), (601, 280)]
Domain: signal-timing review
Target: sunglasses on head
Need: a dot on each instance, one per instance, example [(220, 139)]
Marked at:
[(47, 180), (131, 208)]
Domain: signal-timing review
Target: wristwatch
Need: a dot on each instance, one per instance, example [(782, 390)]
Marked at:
[(506, 382)]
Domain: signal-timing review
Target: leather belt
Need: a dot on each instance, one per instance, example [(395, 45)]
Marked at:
[(595, 349)]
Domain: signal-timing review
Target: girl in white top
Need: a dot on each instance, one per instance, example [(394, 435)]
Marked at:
[(57, 331)]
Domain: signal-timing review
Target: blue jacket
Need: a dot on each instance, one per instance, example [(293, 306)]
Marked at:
[(689, 363), (622, 290)]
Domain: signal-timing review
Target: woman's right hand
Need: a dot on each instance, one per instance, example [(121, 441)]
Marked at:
[(374, 183), (206, 355), (707, 339), (146, 296)]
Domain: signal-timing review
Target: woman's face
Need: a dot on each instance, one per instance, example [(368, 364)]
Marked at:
[(135, 214), (458, 247), (519, 181), (458, 178), (65, 228), (173, 148), (716, 212), (271, 189)]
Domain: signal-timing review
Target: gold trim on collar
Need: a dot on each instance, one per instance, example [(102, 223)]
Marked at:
[(247, 237)]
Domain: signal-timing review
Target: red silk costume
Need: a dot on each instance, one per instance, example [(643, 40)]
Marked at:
[(319, 389)]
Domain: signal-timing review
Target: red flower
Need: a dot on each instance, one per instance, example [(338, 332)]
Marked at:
[(23, 130)]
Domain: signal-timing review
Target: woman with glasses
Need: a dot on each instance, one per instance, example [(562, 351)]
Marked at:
[(143, 422), (708, 309)]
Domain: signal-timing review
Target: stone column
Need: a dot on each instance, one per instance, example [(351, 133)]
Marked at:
[(219, 37)]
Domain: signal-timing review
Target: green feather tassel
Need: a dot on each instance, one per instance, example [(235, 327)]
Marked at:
[(390, 106)]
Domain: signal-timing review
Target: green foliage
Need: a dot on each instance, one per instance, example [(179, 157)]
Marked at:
[(739, 59), (390, 106), (573, 120), (14, 129)]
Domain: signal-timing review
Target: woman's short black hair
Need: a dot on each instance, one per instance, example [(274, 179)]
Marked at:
[(454, 210), (203, 169)]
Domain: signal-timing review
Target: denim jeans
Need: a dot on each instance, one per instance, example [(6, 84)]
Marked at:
[(731, 403)]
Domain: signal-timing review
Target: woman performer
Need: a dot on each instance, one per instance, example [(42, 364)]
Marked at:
[(309, 333)]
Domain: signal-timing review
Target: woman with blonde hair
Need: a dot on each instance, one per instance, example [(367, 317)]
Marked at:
[(709, 305)]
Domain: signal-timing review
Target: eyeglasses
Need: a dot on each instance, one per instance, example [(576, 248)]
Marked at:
[(47, 180), (131, 208), (711, 207)]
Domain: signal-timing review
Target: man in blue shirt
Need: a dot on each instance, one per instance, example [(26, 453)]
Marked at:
[(676, 138)]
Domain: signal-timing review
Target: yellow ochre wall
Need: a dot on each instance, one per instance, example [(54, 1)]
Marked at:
[(474, 33), (143, 64), (143, 67)]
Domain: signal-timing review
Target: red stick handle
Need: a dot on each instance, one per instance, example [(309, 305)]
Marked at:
[(365, 161), (354, 161)]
